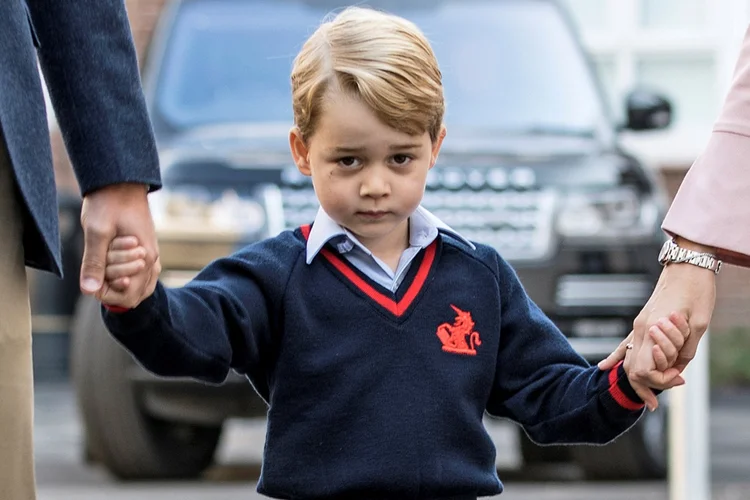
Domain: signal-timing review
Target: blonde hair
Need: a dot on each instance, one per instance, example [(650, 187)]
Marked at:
[(382, 59)]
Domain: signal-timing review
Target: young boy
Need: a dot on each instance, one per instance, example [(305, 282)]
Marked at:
[(378, 336)]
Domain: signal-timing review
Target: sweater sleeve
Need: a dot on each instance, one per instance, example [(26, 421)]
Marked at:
[(542, 383), (223, 319)]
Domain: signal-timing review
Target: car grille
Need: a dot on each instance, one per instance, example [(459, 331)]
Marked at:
[(610, 290), (497, 207)]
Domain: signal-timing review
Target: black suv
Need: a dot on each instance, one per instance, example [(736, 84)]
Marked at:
[(531, 166)]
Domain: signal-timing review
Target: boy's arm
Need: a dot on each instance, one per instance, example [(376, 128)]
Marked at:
[(548, 388), (217, 322)]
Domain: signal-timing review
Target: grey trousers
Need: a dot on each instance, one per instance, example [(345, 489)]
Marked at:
[(17, 481)]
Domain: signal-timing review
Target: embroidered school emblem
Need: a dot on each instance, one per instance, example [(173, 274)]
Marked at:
[(459, 337)]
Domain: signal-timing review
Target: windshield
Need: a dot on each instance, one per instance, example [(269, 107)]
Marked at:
[(507, 66)]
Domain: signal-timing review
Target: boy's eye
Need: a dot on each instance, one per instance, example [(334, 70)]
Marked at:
[(349, 162), (401, 160)]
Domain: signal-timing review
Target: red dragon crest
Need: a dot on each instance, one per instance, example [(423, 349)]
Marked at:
[(459, 337)]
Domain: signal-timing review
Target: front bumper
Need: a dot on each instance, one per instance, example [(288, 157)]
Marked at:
[(593, 293)]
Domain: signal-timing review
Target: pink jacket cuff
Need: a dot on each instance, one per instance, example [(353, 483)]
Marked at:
[(712, 206)]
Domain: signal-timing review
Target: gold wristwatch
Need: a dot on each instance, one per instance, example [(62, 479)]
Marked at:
[(672, 253)]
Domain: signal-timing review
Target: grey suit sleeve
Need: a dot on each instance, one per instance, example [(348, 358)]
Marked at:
[(88, 59)]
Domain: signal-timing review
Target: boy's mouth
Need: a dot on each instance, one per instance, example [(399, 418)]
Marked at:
[(372, 214)]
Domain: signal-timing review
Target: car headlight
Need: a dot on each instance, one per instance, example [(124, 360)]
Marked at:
[(194, 210), (615, 213)]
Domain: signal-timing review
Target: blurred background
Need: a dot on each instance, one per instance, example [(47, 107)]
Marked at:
[(597, 108)]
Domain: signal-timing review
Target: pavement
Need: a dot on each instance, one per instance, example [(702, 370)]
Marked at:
[(62, 475)]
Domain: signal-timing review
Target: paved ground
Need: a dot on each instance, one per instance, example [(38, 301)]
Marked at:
[(62, 476)]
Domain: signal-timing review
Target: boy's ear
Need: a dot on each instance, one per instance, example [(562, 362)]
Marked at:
[(300, 153), (437, 144)]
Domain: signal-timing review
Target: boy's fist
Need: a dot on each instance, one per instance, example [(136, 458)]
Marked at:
[(125, 258)]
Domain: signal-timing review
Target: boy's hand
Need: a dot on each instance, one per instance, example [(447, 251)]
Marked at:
[(668, 340), (669, 336), (125, 259)]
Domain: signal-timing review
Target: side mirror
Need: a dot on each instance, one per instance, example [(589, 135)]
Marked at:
[(647, 110)]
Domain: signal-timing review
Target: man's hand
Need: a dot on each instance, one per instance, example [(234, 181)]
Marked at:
[(683, 288), (118, 210)]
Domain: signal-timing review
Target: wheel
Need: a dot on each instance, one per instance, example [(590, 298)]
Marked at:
[(640, 453), (118, 433), (533, 454), (88, 453)]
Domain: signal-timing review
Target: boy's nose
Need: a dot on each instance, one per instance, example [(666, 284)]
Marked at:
[(375, 186)]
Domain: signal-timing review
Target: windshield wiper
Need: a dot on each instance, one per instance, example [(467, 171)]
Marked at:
[(553, 130), (533, 130)]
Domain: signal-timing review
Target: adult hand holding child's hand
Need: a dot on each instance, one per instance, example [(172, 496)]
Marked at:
[(666, 338)]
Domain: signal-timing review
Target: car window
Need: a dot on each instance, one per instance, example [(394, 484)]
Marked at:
[(506, 65)]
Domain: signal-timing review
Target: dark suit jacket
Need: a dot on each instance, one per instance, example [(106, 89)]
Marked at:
[(86, 53)]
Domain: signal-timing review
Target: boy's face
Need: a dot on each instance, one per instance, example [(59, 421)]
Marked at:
[(367, 176)]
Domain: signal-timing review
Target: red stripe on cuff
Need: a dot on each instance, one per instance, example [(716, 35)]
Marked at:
[(618, 395), (115, 309)]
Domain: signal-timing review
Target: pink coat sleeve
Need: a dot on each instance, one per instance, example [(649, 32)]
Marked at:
[(712, 206)]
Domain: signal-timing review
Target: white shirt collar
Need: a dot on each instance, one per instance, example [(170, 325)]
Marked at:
[(423, 229)]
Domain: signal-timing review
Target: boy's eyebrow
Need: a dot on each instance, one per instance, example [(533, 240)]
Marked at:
[(359, 149), (347, 149), (413, 145)]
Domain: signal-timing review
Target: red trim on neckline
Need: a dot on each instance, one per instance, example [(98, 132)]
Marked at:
[(395, 308)]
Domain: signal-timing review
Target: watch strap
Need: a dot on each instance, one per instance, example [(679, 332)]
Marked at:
[(677, 255)]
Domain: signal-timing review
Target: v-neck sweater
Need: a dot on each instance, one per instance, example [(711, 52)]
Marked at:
[(373, 393)]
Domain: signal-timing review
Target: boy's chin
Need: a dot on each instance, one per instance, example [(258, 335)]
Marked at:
[(374, 231)]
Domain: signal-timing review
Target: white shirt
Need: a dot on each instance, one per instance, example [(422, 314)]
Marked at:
[(423, 230)]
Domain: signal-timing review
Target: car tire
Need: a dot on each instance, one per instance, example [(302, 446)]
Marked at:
[(118, 433), (640, 453), (534, 454)]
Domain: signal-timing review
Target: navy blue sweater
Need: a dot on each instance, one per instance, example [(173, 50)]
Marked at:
[(374, 394)]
